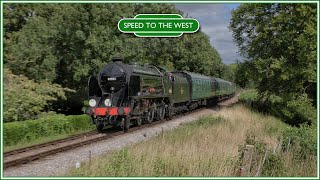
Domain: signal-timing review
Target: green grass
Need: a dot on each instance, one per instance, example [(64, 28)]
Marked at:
[(208, 147)]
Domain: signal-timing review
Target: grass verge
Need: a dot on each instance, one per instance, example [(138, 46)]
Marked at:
[(207, 147)]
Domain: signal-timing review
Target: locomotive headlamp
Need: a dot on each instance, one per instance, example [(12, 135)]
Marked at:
[(107, 102), (92, 103), (121, 111)]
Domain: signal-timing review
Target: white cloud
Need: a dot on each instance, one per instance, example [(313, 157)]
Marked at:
[(214, 21)]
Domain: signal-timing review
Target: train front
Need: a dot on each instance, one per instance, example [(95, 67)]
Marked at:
[(108, 95)]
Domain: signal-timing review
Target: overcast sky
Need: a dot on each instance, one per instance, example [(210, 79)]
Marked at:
[(214, 21)]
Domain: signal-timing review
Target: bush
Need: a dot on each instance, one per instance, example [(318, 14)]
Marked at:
[(25, 98), (294, 110), (30, 130), (248, 97), (299, 110), (302, 140), (273, 166)]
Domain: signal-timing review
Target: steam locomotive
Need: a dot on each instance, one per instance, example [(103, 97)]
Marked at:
[(131, 94)]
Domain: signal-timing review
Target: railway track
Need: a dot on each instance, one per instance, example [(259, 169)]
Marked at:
[(32, 153), (51, 143)]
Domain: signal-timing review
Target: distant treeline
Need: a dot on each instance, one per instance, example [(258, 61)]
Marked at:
[(50, 50)]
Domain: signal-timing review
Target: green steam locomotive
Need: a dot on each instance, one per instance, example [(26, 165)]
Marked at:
[(130, 94)]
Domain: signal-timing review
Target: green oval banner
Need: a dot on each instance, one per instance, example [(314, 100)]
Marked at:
[(158, 25)]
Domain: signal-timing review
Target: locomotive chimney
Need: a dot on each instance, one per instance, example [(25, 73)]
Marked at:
[(116, 59)]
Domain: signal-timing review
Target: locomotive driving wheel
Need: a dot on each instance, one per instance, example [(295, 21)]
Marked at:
[(150, 115), (168, 111), (125, 123), (138, 122), (99, 127), (151, 112), (161, 112)]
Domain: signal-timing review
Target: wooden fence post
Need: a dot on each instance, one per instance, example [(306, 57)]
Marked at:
[(246, 162), (262, 163), (90, 157)]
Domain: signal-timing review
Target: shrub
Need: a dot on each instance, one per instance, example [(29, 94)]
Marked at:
[(25, 98), (292, 109), (302, 140), (273, 166), (30, 130), (248, 97)]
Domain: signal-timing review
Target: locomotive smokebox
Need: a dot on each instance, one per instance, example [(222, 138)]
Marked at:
[(116, 59)]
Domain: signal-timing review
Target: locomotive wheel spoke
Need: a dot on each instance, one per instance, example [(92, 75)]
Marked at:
[(138, 122), (158, 113), (161, 112), (168, 111), (151, 112)]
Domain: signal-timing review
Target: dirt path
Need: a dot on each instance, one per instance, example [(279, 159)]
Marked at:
[(230, 101)]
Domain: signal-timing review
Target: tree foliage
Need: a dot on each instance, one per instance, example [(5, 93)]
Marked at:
[(279, 42), (25, 98), (229, 72), (66, 43)]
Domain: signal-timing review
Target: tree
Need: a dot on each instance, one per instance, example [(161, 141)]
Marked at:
[(25, 98), (279, 42), (229, 72)]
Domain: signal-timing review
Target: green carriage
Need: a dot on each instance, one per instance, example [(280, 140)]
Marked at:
[(198, 87)]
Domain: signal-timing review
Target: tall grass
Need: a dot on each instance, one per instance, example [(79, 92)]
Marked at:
[(208, 147)]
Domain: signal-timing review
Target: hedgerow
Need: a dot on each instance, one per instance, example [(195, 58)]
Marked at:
[(30, 130)]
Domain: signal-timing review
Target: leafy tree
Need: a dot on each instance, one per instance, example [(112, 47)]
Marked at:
[(196, 54), (25, 98), (243, 74), (229, 72), (279, 43)]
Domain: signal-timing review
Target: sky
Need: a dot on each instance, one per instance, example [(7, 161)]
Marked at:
[(214, 20)]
